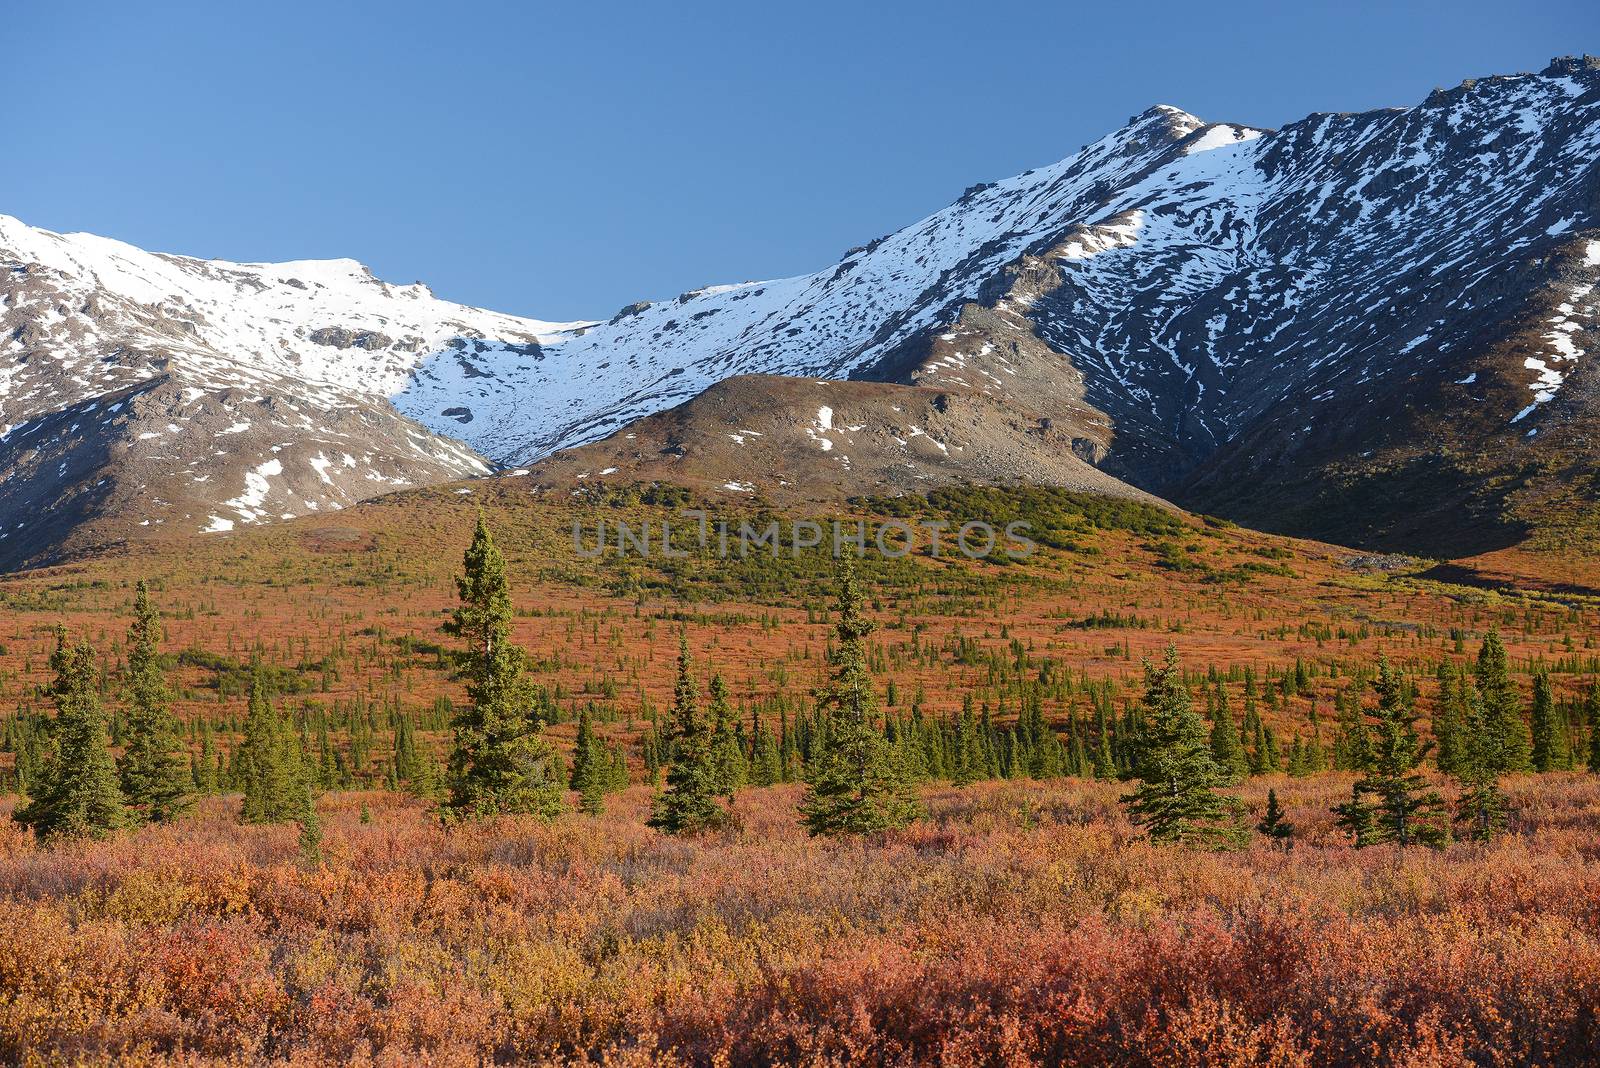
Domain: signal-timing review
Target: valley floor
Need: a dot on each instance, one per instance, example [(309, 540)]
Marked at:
[(1024, 921)]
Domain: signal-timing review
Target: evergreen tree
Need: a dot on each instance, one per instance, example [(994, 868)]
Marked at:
[(727, 753), (1447, 719), (271, 768), (429, 783), (967, 763), (1502, 705), (407, 761), (690, 803), (591, 767), (1549, 733), (310, 823), (1403, 810), (1177, 799), (1273, 824), (1271, 760), (1482, 805), (1352, 745), (501, 762), (205, 765), (1359, 816), (1257, 756), (1226, 749), (766, 763), (617, 772), (1591, 705), (592, 794), (157, 782), (75, 792), (857, 783)]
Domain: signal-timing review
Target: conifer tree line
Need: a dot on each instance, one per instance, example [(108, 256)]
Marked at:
[(113, 755)]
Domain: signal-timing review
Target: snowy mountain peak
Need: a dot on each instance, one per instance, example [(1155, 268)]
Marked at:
[(1211, 309)]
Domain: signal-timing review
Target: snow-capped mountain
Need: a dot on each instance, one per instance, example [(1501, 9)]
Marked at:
[(1272, 325), (146, 393)]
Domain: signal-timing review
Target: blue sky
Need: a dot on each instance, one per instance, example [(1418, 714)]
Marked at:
[(561, 160)]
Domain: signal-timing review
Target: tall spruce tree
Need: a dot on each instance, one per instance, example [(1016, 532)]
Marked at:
[(1178, 799), (727, 754), (1392, 801), (1448, 717), (691, 802), (857, 782), (407, 762), (75, 792), (1502, 705), (966, 759), (157, 781), (1549, 732), (1481, 808), (591, 767), (271, 767), (1226, 748), (501, 762)]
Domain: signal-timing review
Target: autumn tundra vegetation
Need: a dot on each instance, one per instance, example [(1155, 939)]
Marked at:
[(1170, 793)]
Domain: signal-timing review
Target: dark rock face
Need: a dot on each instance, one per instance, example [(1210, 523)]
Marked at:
[(340, 338)]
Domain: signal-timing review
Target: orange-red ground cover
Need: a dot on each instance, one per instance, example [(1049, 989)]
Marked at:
[(1023, 923)]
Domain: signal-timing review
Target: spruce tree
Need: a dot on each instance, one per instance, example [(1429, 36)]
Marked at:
[(1178, 799), (205, 764), (966, 760), (857, 783), (1402, 809), (766, 763), (1352, 744), (1502, 705), (156, 778), (591, 767), (1549, 733), (271, 769), (407, 762), (1482, 805), (310, 823), (501, 762), (429, 784), (690, 803), (1273, 824), (75, 792), (1447, 719), (1359, 817), (1226, 749), (617, 773), (727, 754), (1271, 760), (1591, 706)]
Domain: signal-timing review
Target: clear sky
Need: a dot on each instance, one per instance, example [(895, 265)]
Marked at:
[(562, 160)]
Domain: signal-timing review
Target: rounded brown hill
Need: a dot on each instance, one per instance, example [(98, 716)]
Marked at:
[(802, 439)]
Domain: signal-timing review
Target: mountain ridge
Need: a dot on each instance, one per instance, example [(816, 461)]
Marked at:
[(1230, 317)]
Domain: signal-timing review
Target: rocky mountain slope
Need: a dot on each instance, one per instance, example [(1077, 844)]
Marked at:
[(143, 393), (1365, 327), (1368, 328)]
